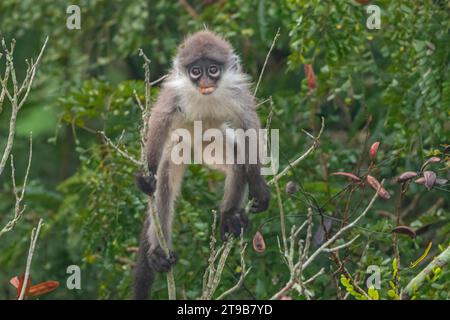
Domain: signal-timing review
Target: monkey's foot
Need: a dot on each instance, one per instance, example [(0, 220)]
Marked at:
[(159, 261), (233, 221), (260, 198), (147, 184)]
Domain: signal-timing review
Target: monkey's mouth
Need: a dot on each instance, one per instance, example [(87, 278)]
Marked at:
[(207, 90)]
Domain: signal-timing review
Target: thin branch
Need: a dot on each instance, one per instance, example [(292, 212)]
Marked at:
[(301, 157), (34, 236), (244, 271), (300, 265), (17, 99), (18, 209), (342, 246), (123, 153), (265, 62)]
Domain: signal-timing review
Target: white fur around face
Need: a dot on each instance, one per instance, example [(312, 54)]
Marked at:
[(223, 104)]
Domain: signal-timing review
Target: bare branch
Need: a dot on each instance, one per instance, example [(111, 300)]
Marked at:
[(244, 272), (265, 62), (19, 95), (34, 236), (302, 157), (18, 209), (342, 246), (123, 153)]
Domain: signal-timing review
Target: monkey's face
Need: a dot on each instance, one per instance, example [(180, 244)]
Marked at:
[(205, 74)]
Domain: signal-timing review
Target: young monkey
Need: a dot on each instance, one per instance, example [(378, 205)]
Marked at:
[(206, 84)]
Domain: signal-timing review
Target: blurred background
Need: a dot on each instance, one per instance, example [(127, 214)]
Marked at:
[(390, 85)]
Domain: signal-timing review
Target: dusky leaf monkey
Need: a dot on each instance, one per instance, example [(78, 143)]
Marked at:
[(206, 84)]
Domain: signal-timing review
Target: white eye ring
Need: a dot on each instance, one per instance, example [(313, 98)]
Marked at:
[(215, 72), (195, 72)]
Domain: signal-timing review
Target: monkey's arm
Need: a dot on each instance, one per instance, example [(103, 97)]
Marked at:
[(259, 191), (159, 125)]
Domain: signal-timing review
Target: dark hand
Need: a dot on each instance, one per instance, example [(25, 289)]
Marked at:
[(260, 195), (159, 261), (146, 184), (233, 222)]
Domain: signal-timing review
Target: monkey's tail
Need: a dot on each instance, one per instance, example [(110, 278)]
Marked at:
[(144, 275)]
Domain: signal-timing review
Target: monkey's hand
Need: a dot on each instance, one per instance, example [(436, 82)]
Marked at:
[(147, 184), (260, 195), (232, 222), (159, 261)]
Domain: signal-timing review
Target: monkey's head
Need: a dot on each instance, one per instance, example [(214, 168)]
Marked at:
[(205, 59)]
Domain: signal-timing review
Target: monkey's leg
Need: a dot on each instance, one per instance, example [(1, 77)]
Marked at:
[(233, 216), (143, 274), (169, 178)]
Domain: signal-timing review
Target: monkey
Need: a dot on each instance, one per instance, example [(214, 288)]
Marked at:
[(206, 83)]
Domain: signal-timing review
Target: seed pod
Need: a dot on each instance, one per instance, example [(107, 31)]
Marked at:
[(405, 230), (374, 149), (430, 179), (259, 244), (291, 187), (382, 192), (431, 160), (43, 288), (421, 180), (346, 174), (406, 176)]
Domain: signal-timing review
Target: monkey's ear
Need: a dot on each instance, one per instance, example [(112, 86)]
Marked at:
[(147, 184)]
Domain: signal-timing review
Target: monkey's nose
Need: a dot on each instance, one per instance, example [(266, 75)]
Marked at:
[(207, 90)]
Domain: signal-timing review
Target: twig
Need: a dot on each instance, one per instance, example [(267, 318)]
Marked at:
[(34, 236), (301, 157), (189, 9), (342, 246), (266, 60), (123, 153), (303, 265), (18, 210), (215, 274), (244, 271), (18, 97)]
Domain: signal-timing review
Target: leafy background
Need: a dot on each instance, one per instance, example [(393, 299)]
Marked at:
[(397, 76)]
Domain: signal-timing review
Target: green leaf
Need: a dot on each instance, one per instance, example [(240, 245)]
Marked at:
[(373, 293)]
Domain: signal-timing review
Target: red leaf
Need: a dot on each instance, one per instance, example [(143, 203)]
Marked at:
[(374, 149), (14, 281), (382, 192), (259, 244), (346, 174), (19, 288), (310, 77), (43, 288)]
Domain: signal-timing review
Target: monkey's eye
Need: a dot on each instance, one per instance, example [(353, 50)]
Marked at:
[(213, 71), (195, 72)]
